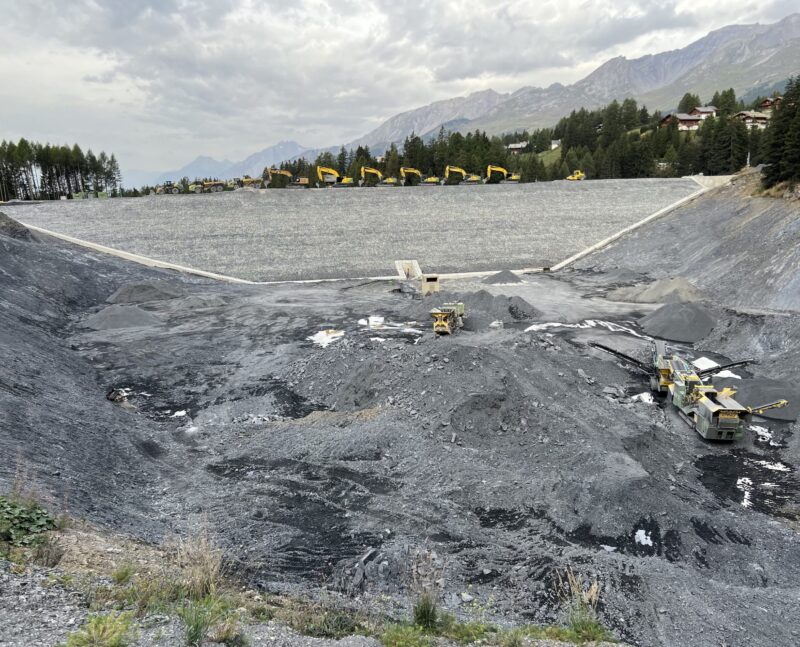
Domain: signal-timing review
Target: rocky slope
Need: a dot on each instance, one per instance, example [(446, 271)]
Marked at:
[(510, 452)]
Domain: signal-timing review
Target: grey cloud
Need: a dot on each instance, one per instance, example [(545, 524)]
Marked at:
[(248, 73)]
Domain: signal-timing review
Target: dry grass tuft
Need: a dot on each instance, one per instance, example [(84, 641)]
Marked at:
[(201, 567)]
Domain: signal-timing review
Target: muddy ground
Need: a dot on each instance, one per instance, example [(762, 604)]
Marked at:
[(508, 452)]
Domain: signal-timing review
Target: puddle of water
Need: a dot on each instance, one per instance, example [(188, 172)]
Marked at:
[(751, 481)]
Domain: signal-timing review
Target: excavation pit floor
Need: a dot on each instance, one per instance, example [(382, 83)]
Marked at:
[(326, 438)]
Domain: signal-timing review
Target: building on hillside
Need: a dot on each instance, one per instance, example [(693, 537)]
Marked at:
[(554, 143), (752, 119), (768, 105), (704, 112), (685, 122), (517, 147)]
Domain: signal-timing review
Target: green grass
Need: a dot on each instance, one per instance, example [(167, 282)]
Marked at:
[(112, 630), (405, 636), (551, 157), (123, 574), (199, 617)]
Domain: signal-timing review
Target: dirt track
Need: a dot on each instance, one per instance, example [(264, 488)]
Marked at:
[(509, 453)]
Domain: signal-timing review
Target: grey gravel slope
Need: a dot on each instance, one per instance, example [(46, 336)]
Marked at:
[(316, 234), (739, 250)]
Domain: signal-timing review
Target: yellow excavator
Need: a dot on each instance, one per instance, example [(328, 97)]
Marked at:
[(331, 177), (406, 171), (454, 170), (466, 178), (431, 180), (577, 175), (495, 169), (514, 177), (278, 172), (368, 170)]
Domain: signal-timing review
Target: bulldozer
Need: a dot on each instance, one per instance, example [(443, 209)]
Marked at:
[(331, 178), (714, 414), (577, 175), (448, 318), (407, 172), (168, 188)]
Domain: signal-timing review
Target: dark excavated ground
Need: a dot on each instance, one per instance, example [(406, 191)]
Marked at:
[(509, 451)]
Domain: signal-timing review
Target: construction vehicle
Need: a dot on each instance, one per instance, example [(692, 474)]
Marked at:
[(449, 170), (577, 175), (167, 188), (368, 170), (330, 177), (277, 173), (513, 178), (431, 180), (714, 414), (495, 169), (213, 186), (246, 182), (389, 181), (448, 318), (406, 171), (299, 183)]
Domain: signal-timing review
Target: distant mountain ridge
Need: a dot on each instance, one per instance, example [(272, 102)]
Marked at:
[(751, 59), (204, 166)]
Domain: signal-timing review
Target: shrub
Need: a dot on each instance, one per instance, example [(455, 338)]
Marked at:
[(579, 598), (199, 617), (200, 563), (464, 632), (113, 630), (229, 634), (320, 622), (426, 611), (123, 574), (22, 522)]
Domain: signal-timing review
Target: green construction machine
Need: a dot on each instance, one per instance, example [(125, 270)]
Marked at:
[(714, 414), (448, 318)]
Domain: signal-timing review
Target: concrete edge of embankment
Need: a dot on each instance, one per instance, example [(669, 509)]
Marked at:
[(607, 241), (152, 262)]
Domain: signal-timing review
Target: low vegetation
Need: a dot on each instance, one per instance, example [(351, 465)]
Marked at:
[(191, 583), (111, 630)]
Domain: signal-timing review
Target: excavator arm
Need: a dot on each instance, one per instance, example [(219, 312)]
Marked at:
[(407, 170), (454, 169), (278, 171), (498, 169), (372, 171), (322, 171)]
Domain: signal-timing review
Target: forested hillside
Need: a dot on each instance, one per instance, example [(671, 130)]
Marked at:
[(33, 171)]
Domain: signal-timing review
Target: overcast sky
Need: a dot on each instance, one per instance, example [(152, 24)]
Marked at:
[(159, 82)]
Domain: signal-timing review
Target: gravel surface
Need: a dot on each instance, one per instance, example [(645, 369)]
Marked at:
[(741, 251), (318, 234), (510, 452)]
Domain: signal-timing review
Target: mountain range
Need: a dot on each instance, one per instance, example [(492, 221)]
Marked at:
[(751, 59)]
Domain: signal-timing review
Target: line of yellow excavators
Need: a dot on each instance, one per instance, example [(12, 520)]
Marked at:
[(331, 178), (409, 176), (369, 176)]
